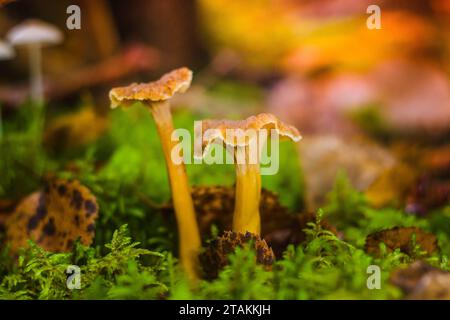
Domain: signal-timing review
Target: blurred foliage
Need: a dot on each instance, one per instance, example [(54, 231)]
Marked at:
[(369, 119), (237, 91), (228, 25), (300, 36)]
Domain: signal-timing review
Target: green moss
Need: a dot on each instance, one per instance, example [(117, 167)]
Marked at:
[(42, 275), (125, 170)]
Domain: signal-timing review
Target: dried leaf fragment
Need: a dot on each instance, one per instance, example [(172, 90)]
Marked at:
[(216, 255), (401, 238), (54, 217)]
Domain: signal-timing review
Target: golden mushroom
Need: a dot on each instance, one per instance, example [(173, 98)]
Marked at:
[(156, 95), (244, 139)]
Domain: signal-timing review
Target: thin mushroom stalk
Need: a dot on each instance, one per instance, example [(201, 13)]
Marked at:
[(36, 82), (246, 215), (247, 152), (155, 95), (189, 239)]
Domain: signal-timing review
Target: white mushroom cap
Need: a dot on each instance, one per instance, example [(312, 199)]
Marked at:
[(6, 51), (34, 32)]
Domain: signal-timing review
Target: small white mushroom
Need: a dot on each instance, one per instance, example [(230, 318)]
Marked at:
[(35, 34)]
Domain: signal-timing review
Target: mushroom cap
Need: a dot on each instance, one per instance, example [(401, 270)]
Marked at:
[(34, 32), (163, 89), (6, 51), (216, 130)]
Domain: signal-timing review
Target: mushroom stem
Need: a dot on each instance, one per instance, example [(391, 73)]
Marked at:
[(248, 192), (246, 140), (189, 239), (36, 87)]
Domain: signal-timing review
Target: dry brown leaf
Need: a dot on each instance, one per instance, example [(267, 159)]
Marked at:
[(215, 256), (54, 218), (401, 238), (214, 205)]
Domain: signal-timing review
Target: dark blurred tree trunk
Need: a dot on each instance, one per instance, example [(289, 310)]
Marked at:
[(168, 25), (102, 29)]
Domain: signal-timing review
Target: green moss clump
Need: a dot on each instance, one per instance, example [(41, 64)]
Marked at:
[(42, 275), (125, 170)]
